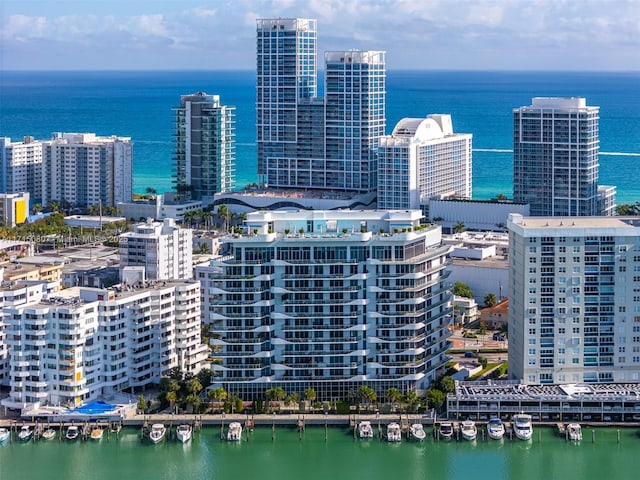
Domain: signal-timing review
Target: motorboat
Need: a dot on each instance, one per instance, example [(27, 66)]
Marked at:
[(157, 433), (394, 433), (445, 431), (417, 432), (73, 432), (96, 433), (468, 430), (49, 434), (235, 432), (574, 432), (365, 430), (522, 426), (495, 428), (5, 434), (25, 433), (183, 432)]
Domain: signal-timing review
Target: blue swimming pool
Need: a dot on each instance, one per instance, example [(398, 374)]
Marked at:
[(95, 408)]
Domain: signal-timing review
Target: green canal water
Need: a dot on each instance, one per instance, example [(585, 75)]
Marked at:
[(285, 457)]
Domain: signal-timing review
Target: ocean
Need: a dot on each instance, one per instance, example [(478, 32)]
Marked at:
[(138, 104)]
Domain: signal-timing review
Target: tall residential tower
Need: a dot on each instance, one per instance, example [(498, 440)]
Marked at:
[(205, 148), (555, 158)]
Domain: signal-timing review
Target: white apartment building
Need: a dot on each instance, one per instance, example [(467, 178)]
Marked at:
[(574, 299), (421, 159), (13, 294), (330, 300), (84, 169), (83, 344), (163, 248), (21, 166)]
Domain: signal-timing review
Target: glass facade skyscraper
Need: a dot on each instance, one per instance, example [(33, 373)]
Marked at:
[(305, 141), (555, 157)]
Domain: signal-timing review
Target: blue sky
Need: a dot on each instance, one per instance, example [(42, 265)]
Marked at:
[(590, 35)]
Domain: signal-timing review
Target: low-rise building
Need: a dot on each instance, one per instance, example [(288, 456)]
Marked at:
[(496, 317), (14, 208)]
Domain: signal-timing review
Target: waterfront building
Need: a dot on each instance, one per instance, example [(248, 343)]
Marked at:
[(309, 142), (421, 159), (555, 157), (161, 206), (13, 294), (21, 166), (574, 307), (84, 344), (474, 215), (164, 249), (14, 208), (331, 300), (85, 170), (205, 146)]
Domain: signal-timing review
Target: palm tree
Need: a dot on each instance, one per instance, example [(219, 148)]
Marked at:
[(218, 394), (310, 394), (171, 397), (394, 395), (194, 401), (225, 214), (367, 394), (459, 227)]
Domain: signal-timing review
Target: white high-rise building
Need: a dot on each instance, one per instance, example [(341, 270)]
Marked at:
[(164, 249), (555, 158), (21, 167), (83, 344), (421, 159), (574, 299), (205, 148), (84, 170), (331, 300)]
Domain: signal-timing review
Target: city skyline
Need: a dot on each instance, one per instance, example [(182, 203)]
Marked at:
[(460, 35)]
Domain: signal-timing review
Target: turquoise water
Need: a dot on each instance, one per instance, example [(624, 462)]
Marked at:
[(547, 457), (139, 105)]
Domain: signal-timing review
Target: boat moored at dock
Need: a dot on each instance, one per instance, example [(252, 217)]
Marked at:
[(184, 432), (157, 433), (416, 431), (394, 433), (26, 433), (495, 428), (49, 434), (5, 434), (73, 432), (96, 433), (235, 432), (469, 430), (574, 432), (365, 430), (445, 430), (522, 426)]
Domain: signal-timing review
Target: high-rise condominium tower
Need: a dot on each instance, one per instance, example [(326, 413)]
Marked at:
[(205, 148), (555, 157), (309, 142), (420, 159)]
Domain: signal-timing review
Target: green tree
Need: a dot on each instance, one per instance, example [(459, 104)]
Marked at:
[(142, 404), (394, 395), (446, 384), (367, 394), (628, 209), (412, 399), (459, 227), (194, 401), (172, 398), (435, 398), (310, 394), (218, 394), (461, 289), (225, 215), (490, 300), (194, 386), (275, 394), (150, 191)]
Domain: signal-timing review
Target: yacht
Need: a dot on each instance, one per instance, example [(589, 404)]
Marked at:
[(522, 426), (495, 428), (445, 431), (25, 434), (49, 434), (574, 432), (73, 432), (183, 432), (365, 430), (469, 430), (157, 433), (235, 432), (96, 433), (5, 434), (417, 432), (394, 434)]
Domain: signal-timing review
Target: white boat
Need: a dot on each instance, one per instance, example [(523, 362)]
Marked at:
[(183, 432), (73, 432), (49, 434), (96, 433), (25, 434), (417, 432), (394, 434), (445, 431), (365, 430), (157, 433), (468, 430), (495, 428), (574, 432), (235, 432), (5, 434), (522, 426)]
